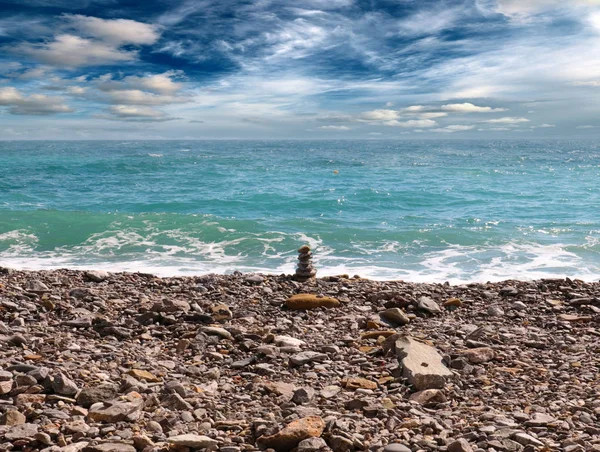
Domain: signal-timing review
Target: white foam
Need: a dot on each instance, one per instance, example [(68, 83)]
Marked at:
[(184, 254)]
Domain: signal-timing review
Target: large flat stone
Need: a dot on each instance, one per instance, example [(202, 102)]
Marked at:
[(421, 364)]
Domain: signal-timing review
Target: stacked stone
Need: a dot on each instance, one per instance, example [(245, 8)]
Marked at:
[(305, 269)]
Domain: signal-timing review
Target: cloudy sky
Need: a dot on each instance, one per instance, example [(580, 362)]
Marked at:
[(113, 69)]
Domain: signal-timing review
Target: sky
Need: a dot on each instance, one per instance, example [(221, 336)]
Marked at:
[(314, 69)]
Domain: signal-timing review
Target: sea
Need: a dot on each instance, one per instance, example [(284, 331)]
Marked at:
[(422, 211)]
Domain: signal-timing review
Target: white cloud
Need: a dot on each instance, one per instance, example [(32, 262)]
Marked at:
[(521, 9), (35, 104), (453, 128), (156, 83), (138, 97), (594, 83), (507, 120), (115, 31), (380, 115), (543, 126), (432, 115), (469, 108), (91, 41), (127, 111), (412, 123), (335, 128), (73, 51), (587, 126)]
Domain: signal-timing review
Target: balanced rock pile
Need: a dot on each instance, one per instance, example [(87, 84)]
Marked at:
[(129, 362), (305, 269)]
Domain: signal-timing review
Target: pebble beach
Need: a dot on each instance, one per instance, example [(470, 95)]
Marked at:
[(124, 362)]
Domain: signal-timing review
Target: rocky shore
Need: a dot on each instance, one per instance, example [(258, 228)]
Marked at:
[(91, 361)]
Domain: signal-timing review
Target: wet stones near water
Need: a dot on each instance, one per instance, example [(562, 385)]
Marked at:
[(305, 269)]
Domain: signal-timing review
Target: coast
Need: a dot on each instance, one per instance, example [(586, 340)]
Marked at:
[(98, 361)]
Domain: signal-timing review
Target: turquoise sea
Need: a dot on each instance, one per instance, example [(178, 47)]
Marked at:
[(431, 210)]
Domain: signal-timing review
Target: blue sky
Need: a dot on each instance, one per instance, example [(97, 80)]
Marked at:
[(110, 69)]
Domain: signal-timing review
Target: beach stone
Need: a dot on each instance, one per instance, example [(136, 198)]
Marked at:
[(453, 303), (429, 305), (421, 364), (109, 447), (495, 311), (140, 374), (64, 386), (307, 357), (428, 396), (291, 435), (303, 395), (5, 386), (117, 410), (479, 355), (460, 445), (354, 383), (313, 444), (377, 334), (21, 431), (396, 447), (254, 279), (193, 441), (330, 391), (287, 341), (216, 331), (573, 318), (396, 316), (35, 286), (304, 301), (526, 439), (221, 312), (13, 417), (89, 396), (540, 420), (96, 275)]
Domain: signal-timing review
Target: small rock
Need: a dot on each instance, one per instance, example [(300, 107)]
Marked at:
[(193, 441), (303, 395), (421, 364), (221, 312), (313, 444), (216, 331), (429, 305), (64, 386), (21, 431), (495, 311), (96, 275), (354, 383), (428, 396), (140, 374), (396, 316), (290, 436), (526, 440), (304, 301), (299, 359), (461, 445), (479, 355), (35, 286), (12, 417), (396, 447)]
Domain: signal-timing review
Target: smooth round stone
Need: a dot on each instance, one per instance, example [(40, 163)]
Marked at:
[(396, 447)]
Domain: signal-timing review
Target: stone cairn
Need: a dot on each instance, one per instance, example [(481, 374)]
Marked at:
[(305, 269)]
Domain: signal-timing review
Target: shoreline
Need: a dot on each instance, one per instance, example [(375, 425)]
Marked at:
[(132, 362), (325, 273)]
